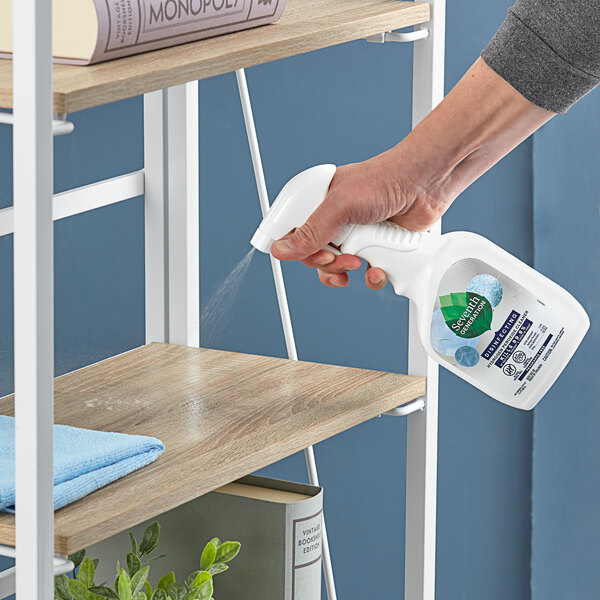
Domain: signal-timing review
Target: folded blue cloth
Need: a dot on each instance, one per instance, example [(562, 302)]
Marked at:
[(84, 460)]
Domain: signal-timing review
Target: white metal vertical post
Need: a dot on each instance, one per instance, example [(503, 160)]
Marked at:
[(422, 426), (155, 216), (61, 565), (172, 215), (284, 309), (183, 215), (33, 297)]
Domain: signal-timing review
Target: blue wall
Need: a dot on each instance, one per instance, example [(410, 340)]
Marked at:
[(566, 475), (341, 104)]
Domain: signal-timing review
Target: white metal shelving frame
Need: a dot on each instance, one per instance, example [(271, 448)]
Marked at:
[(169, 182)]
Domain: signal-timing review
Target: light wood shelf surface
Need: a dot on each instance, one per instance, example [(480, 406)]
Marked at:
[(306, 25), (221, 415)]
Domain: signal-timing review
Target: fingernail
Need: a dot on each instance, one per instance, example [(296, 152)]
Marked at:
[(324, 259), (376, 280), (283, 246)]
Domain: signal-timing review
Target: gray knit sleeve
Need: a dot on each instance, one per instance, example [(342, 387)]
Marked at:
[(549, 50)]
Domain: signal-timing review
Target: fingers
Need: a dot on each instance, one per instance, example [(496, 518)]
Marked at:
[(333, 270), (317, 232), (319, 259), (375, 278), (329, 263), (334, 280)]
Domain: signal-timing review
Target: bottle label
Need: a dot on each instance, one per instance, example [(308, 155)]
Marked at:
[(487, 325)]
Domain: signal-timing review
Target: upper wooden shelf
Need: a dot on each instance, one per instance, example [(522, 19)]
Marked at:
[(305, 25), (221, 415)]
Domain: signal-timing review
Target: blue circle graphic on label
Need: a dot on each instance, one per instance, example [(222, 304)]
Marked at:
[(467, 356), (488, 286)]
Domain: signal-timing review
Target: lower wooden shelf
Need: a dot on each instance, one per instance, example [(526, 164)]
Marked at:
[(221, 415)]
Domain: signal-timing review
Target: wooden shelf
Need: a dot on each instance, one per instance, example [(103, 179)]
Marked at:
[(306, 25), (221, 415)]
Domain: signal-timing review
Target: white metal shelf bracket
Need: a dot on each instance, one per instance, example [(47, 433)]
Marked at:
[(399, 36), (407, 409), (85, 198), (284, 309), (61, 566), (60, 125)]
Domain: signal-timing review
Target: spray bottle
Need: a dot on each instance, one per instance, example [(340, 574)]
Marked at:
[(481, 313)]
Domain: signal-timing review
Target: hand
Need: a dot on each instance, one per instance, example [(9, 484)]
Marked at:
[(367, 192), (413, 184)]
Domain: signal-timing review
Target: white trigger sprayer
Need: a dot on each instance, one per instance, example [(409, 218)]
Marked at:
[(481, 313)]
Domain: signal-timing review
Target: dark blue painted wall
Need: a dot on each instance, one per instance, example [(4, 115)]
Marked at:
[(566, 475), (341, 104)]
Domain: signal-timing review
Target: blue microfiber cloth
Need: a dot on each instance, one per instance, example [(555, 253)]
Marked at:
[(84, 460)]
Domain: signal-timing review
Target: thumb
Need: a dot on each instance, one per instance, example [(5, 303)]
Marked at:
[(320, 228)]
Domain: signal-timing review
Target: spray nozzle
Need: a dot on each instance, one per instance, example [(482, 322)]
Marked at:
[(262, 241), (298, 199)]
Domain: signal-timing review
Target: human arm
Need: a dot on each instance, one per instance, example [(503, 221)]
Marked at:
[(518, 85), (415, 182)]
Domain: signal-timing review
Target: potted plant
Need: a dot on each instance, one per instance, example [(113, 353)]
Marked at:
[(132, 583)]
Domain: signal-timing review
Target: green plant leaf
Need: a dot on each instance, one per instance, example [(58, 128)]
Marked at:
[(134, 564), (139, 596), (138, 580), (227, 551), (77, 557), (150, 539), (218, 568), (166, 581), (86, 573), (208, 556), (122, 573), (78, 590), (216, 542), (148, 589), (205, 590), (61, 588), (200, 578), (191, 595), (118, 573), (176, 591), (191, 577), (96, 562), (467, 314), (159, 594), (151, 559), (124, 587), (104, 592), (133, 543)]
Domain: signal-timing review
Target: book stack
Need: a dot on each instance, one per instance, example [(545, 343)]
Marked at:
[(92, 31)]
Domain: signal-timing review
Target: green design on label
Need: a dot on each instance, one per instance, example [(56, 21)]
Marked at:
[(467, 314)]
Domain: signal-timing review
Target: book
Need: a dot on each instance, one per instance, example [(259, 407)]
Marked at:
[(91, 31), (277, 522)]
